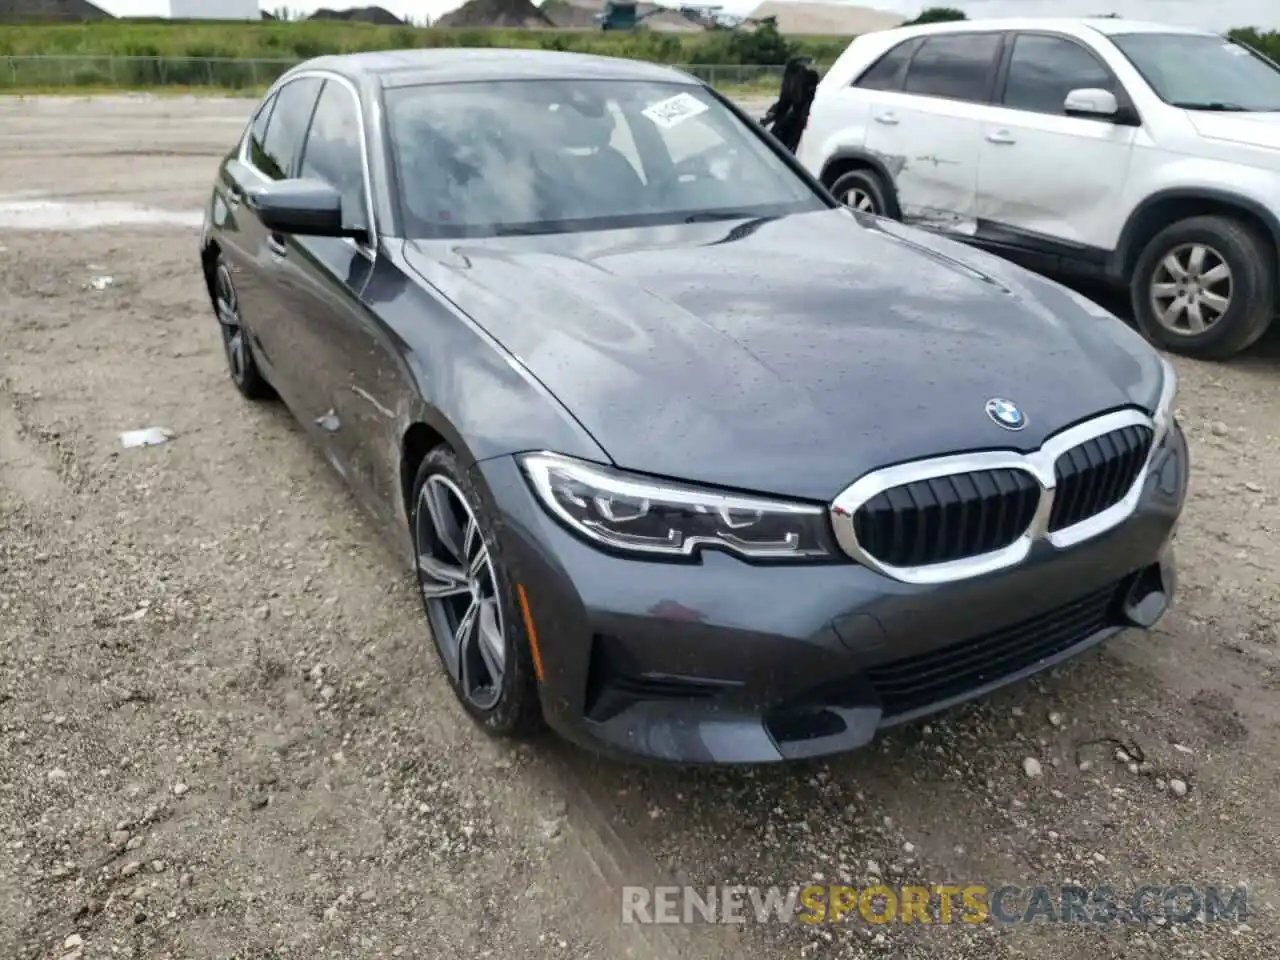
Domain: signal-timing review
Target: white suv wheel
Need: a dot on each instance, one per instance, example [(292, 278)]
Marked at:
[(1191, 289)]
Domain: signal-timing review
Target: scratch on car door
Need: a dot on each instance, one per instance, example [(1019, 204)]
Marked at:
[(893, 163), (933, 218), (365, 395)]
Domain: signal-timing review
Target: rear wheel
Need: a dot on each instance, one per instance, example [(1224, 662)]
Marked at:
[(235, 338), (1205, 287), (862, 190), (470, 601)]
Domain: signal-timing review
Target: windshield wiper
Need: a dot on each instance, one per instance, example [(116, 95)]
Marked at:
[(1215, 106), (708, 216), (521, 231)]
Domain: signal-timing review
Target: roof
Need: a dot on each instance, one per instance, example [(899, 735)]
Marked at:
[(400, 68), (1111, 26)]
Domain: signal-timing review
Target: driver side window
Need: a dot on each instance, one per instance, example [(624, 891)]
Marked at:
[(288, 119), (1044, 69), (258, 135), (333, 153)]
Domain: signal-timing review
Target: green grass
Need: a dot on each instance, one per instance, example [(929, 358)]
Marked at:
[(757, 90), (293, 41), (104, 90), (124, 55), (81, 73)]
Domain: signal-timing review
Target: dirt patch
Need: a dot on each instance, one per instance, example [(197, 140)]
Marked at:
[(223, 732)]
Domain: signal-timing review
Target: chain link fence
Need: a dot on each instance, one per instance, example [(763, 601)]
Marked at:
[(133, 73)]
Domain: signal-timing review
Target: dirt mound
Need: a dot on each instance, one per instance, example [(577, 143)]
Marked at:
[(377, 15), (496, 13), (837, 19), (584, 14), (61, 10), (572, 14)]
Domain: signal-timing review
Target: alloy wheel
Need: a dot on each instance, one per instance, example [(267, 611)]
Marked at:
[(234, 339), (1191, 289), (859, 199), (456, 574)]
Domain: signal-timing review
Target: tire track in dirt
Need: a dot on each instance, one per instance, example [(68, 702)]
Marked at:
[(24, 473)]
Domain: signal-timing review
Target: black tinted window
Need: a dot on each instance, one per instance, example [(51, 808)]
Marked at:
[(1043, 70), (332, 151), (258, 133), (956, 66), (886, 73), (288, 121)]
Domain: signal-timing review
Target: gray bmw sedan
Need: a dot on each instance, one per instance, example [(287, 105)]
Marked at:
[(691, 462)]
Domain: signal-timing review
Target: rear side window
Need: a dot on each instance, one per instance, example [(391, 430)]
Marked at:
[(288, 122), (957, 66), (1043, 70), (887, 72)]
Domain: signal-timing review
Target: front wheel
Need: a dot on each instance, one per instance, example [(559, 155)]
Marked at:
[(469, 599), (1205, 287), (861, 190)]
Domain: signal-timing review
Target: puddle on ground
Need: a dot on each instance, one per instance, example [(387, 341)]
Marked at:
[(22, 212)]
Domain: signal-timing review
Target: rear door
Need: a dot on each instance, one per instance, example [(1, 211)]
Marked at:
[(927, 133), (240, 233), (839, 116), (1047, 182)]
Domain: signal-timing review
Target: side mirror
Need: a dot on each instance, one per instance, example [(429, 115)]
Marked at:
[(309, 208), (1093, 103)]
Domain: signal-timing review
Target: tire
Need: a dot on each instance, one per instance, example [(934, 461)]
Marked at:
[(241, 365), (1248, 287), (867, 187), (511, 706)]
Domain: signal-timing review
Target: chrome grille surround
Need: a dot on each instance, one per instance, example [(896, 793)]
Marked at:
[(1039, 463)]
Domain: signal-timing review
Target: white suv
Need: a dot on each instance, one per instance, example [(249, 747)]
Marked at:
[(1143, 154)]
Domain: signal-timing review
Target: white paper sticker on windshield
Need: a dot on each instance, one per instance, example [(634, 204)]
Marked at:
[(667, 113)]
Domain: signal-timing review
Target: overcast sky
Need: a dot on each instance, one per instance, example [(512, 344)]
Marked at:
[(1219, 15)]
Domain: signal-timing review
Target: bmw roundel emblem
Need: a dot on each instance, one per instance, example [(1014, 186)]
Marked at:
[(1005, 413)]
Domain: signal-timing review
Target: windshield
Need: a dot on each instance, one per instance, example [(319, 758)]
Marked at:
[(1200, 72), (514, 157)]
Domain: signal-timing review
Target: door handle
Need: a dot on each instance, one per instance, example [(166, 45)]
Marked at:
[(276, 245), (889, 118), (1001, 136)]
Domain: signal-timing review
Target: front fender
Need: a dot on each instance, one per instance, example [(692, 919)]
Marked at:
[(468, 387), (1201, 185)]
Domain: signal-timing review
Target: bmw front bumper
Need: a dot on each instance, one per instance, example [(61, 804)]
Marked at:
[(724, 661)]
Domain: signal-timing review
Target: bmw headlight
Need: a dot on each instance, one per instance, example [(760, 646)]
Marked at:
[(635, 514), (1162, 416)]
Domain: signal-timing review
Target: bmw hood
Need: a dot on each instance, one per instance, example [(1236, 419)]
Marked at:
[(790, 356)]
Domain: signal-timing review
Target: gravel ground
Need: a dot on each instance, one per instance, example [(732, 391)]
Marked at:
[(223, 733)]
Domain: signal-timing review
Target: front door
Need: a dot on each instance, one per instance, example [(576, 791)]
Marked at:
[(335, 333), (1046, 181)]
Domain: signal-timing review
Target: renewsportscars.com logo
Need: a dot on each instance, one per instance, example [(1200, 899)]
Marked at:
[(937, 904)]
